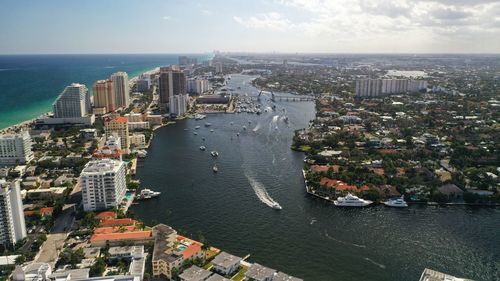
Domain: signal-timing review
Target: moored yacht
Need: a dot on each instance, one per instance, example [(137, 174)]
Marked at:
[(396, 202), (215, 169), (148, 194), (214, 153), (202, 148), (351, 201)]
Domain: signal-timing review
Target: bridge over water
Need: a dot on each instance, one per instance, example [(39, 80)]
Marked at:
[(286, 98)]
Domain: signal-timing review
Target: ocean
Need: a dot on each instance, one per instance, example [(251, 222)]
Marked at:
[(29, 84)]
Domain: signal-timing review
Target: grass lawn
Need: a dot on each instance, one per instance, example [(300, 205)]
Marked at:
[(208, 266), (241, 274)]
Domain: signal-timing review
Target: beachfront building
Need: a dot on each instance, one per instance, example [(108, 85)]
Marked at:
[(15, 149), (170, 82), (104, 96), (12, 224), (121, 89), (118, 126), (103, 184), (71, 108), (178, 104), (143, 84)]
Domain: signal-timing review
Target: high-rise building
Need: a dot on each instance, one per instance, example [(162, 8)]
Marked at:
[(218, 68), (121, 89), (103, 184), (118, 126), (178, 104), (73, 102), (197, 85), (12, 224), (104, 95), (15, 149), (379, 87), (143, 84), (185, 60), (171, 82)]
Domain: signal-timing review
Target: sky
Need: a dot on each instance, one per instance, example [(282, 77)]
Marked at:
[(286, 26)]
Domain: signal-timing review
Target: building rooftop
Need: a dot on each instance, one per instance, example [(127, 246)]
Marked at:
[(285, 277), (217, 277), (432, 275), (259, 272), (195, 273), (226, 260), (121, 236)]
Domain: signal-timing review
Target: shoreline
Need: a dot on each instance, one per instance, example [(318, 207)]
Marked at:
[(29, 122)]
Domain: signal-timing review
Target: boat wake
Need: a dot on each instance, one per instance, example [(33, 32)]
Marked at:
[(375, 263), (343, 242), (261, 192)]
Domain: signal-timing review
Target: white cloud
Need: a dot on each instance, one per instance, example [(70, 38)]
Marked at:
[(273, 21), (167, 18)]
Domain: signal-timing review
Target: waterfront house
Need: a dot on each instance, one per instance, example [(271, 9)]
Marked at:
[(195, 273), (451, 191), (226, 264), (257, 272), (217, 277)]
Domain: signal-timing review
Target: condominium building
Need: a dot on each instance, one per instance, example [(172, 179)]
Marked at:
[(73, 102), (118, 126), (380, 87), (218, 67), (15, 149), (197, 85), (171, 82), (143, 84), (12, 224), (104, 95), (121, 89), (178, 104), (103, 184)]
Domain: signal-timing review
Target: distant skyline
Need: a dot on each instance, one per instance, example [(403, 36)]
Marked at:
[(285, 26)]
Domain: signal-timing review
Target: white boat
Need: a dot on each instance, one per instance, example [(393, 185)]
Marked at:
[(197, 127), (244, 127), (396, 202), (202, 148), (211, 130), (199, 116), (148, 194), (351, 201), (208, 124), (276, 206), (214, 153), (215, 169), (195, 133)]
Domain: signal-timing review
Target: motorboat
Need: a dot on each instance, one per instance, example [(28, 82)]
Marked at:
[(199, 116), (396, 202), (351, 201), (208, 124), (244, 127), (203, 148), (195, 133), (212, 130), (215, 169), (197, 127), (214, 153), (276, 206)]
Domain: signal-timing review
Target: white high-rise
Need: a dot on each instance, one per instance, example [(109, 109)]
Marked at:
[(178, 104), (121, 89), (103, 184), (379, 87), (12, 224), (15, 149), (197, 85), (73, 102)]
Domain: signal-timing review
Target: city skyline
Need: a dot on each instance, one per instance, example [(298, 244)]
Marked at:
[(283, 26)]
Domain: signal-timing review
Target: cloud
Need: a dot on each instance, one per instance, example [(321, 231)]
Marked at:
[(272, 20), (167, 18)]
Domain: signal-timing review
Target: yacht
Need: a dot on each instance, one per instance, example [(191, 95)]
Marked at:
[(195, 133), (215, 169), (276, 206), (208, 124), (197, 127), (202, 148), (351, 201), (199, 116), (214, 153), (211, 130), (396, 202), (148, 194)]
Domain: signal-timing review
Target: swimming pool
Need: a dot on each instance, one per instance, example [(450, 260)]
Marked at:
[(181, 247)]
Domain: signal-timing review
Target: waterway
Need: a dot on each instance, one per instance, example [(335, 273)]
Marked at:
[(309, 238)]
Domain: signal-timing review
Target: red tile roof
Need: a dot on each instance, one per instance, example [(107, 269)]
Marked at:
[(135, 235), (107, 230), (120, 119), (106, 215), (324, 168)]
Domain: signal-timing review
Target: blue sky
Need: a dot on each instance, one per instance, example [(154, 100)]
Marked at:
[(177, 26)]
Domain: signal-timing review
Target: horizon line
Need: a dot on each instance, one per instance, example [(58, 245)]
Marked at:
[(259, 53)]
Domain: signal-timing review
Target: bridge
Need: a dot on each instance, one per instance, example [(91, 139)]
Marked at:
[(277, 98)]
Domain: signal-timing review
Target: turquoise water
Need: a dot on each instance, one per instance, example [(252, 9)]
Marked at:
[(30, 83), (181, 248)]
